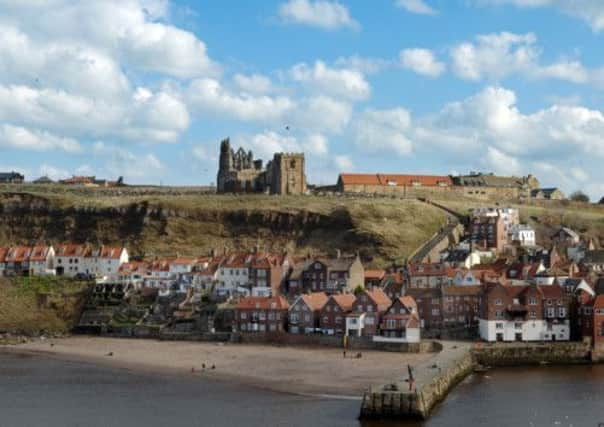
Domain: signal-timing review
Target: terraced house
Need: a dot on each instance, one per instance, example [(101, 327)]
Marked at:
[(26, 260), (329, 275), (524, 313), (261, 314), (305, 313)]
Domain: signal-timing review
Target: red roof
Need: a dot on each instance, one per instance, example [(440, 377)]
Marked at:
[(110, 252), (316, 300), (263, 303), (71, 249), (395, 179), (379, 297), (374, 274), (3, 252), (344, 301), (434, 269)]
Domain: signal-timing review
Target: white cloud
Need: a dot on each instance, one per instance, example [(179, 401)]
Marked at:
[(495, 56), (361, 64), (52, 172), (323, 14), (343, 163), (339, 82), (502, 163), (384, 130), (117, 161), (254, 83), (265, 144), (129, 30), (416, 6), (498, 55), (591, 11), (421, 61), (209, 95), (34, 140), (322, 114)]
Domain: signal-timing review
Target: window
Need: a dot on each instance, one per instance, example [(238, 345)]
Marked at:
[(561, 311), (533, 314), (360, 308), (369, 308), (307, 318), (498, 325), (518, 325), (549, 302), (243, 315), (435, 312), (499, 314), (551, 312), (498, 302), (532, 301), (338, 320)]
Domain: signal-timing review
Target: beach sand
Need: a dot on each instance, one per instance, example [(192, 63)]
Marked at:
[(317, 371)]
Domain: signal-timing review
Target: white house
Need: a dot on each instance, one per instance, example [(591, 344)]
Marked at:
[(72, 259), (41, 260), (523, 234)]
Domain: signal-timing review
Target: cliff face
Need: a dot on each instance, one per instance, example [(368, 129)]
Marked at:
[(150, 227)]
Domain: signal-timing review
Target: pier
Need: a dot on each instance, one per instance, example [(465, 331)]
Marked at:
[(433, 379)]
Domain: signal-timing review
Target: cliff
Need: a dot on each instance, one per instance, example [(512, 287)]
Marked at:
[(382, 230)]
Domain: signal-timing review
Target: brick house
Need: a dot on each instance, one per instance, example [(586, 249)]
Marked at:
[(489, 231), (394, 285), (333, 314), (374, 278), (524, 313), (460, 305), (329, 275), (429, 307), (400, 323), (429, 275), (305, 313), (267, 272), (261, 314), (367, 311)]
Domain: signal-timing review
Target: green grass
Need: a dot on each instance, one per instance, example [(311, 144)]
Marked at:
[(40, 304)]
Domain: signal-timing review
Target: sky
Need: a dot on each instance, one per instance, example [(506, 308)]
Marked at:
[(146, 89)]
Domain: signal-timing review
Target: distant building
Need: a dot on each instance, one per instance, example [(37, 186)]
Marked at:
[(390, 183), (547, 194), (522, 234), (477, 183), (329, 275), (261, 314), (305, 313), (11, 178), (239, 172), (489, 232), (43, 180)]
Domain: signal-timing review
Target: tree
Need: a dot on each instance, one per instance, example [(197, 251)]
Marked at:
[(579, 196)]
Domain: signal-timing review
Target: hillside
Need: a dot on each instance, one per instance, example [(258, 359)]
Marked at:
[(37, 305), (160, 221), (547, 216)]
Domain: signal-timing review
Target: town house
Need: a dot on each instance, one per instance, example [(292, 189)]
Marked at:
[(71, 259), (329, 275), (367, 311), (305, 313), (261, 314), (400, 323), (524, 313), (429, 306), (428, 275), (489, 231), (333, 314), (41, 260), (460, 306)]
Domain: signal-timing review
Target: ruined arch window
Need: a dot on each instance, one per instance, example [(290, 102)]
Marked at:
[(292, 164)]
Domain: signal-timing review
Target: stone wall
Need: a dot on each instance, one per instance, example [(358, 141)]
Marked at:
[(532, 354), (353, 343), (397, 403)]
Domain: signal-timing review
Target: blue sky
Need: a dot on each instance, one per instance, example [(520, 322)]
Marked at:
[(147, 88)]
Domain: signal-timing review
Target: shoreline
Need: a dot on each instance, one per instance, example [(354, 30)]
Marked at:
[(316, 373)]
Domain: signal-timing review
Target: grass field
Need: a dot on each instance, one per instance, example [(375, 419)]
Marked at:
[(40, 304)]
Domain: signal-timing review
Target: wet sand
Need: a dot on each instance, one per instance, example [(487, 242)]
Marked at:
[(317, 371)]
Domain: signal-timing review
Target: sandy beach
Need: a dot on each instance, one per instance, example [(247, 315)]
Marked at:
[(285, 369)]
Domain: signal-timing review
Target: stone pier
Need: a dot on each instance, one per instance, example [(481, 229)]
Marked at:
[(433, 380)]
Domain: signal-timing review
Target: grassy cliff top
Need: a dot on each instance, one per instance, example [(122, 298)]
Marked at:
[(40, 304)]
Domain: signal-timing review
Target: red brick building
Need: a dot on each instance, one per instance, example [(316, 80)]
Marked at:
[(489, 231), (333, 314), (305, 313), (429, 307), (461, 305), (261, 314), (401, 321), (367, 311)]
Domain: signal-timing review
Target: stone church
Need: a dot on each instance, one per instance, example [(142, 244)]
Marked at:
[(239, 172)]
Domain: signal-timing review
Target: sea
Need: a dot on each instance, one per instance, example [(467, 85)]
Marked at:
[(36, 390)]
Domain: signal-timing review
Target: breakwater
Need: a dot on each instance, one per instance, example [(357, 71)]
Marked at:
[(435, 378)]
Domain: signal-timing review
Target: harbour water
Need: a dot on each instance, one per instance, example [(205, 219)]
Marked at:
[(40, 391)]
